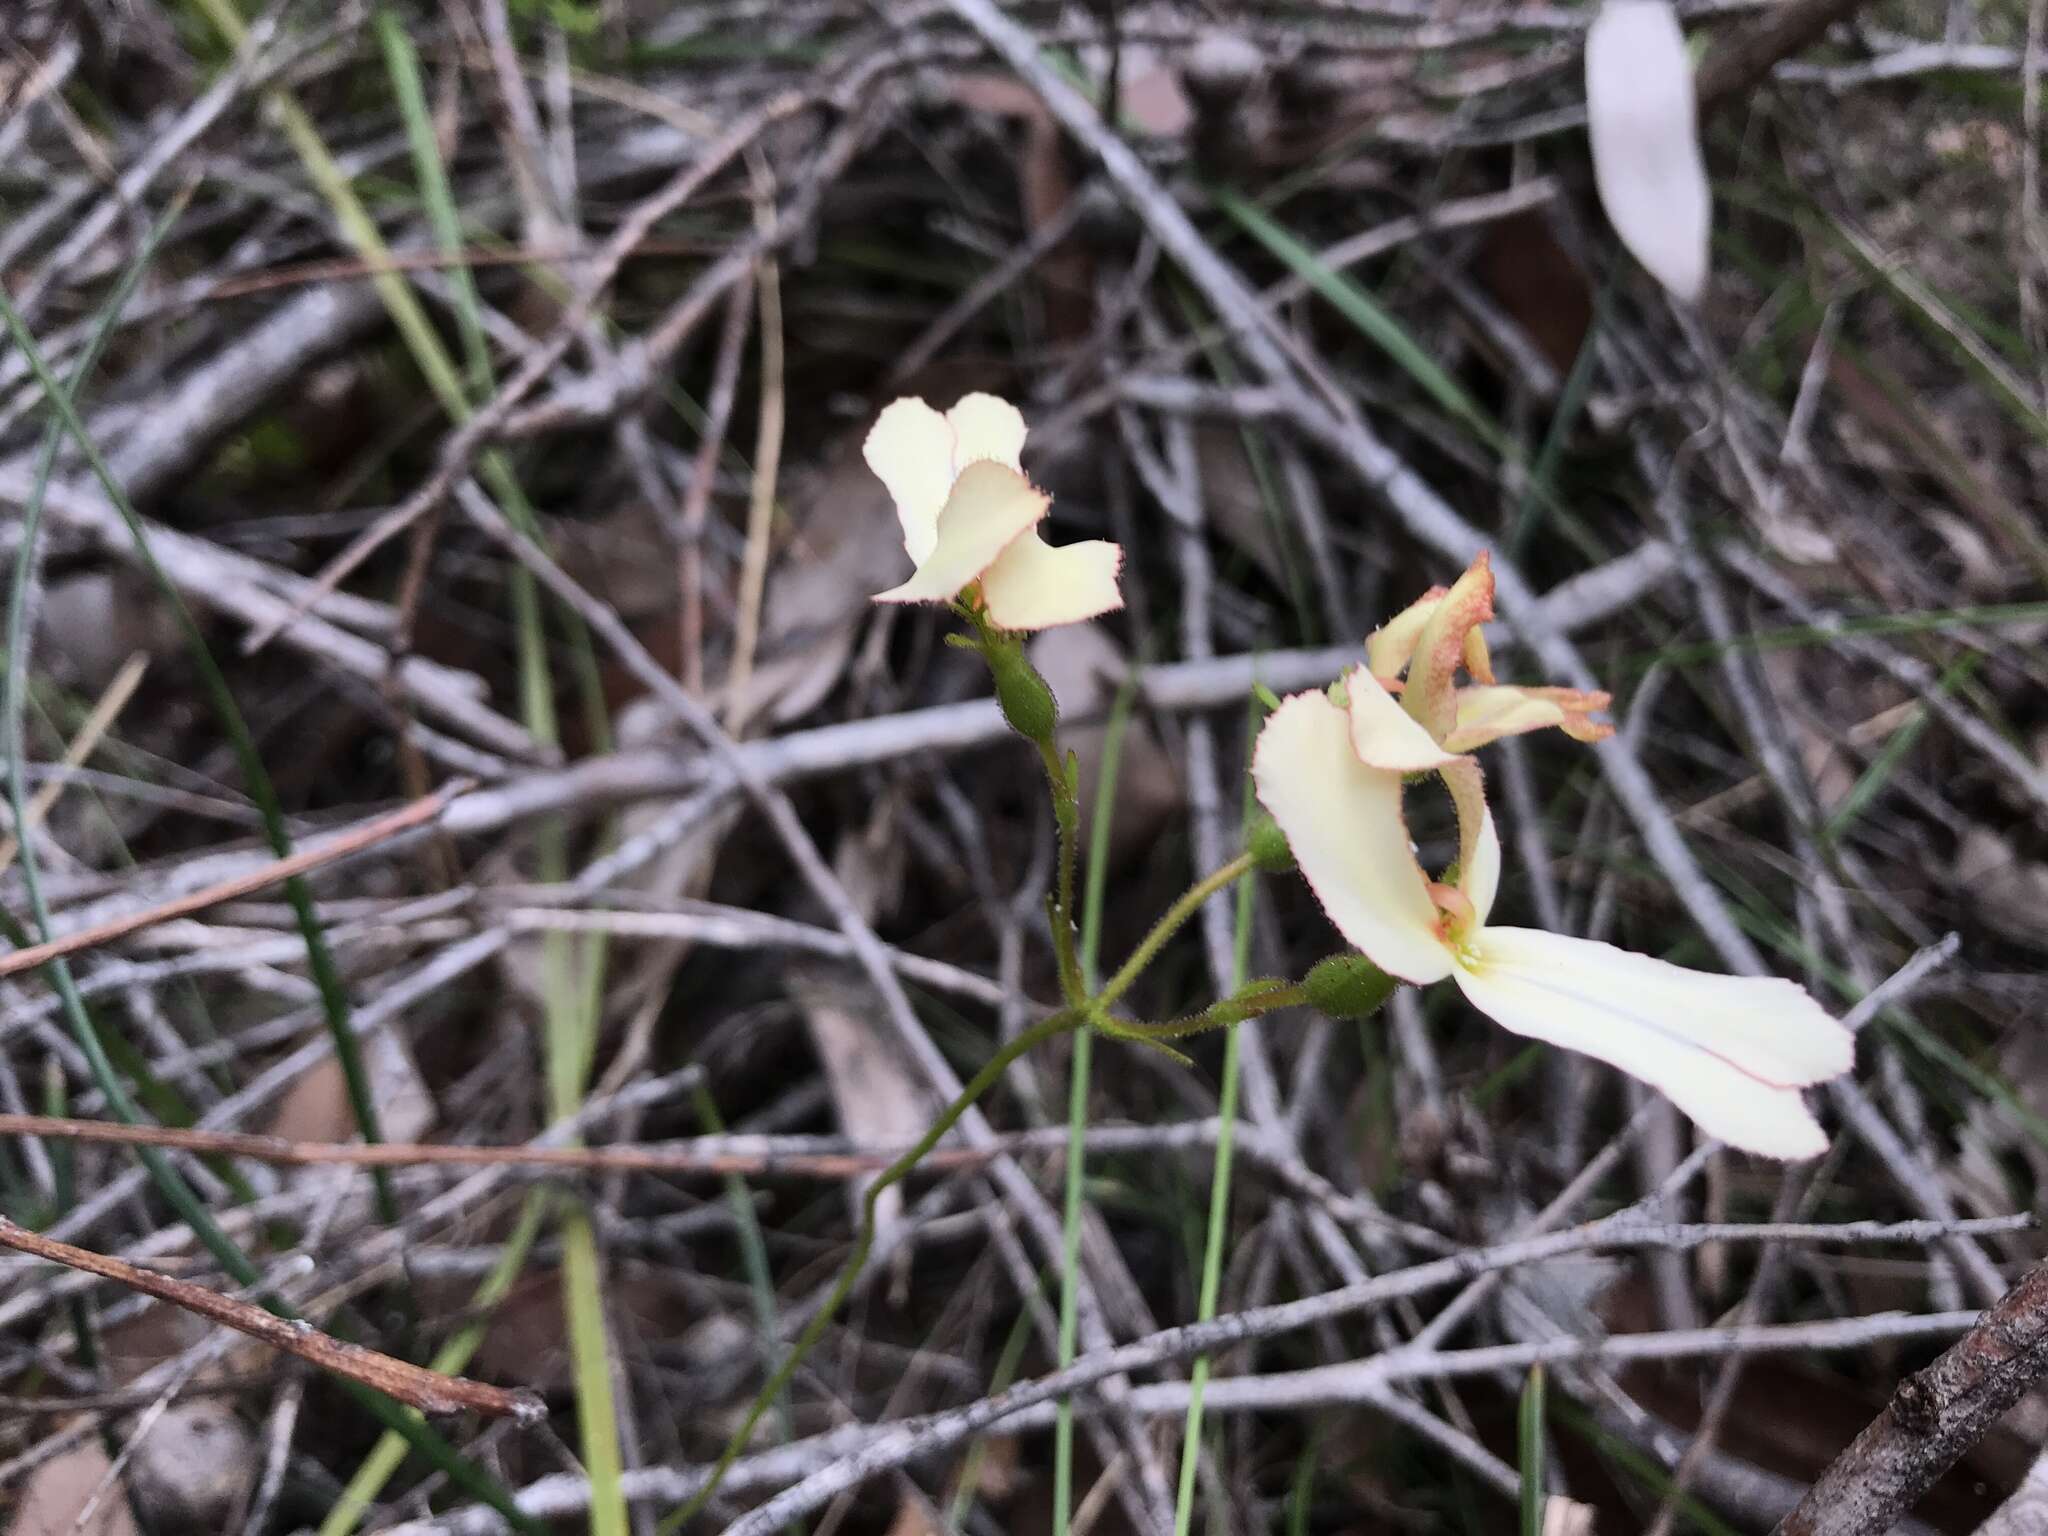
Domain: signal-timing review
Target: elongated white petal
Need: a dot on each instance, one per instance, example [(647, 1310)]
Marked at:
[(1383, 734), (1730, 1051), (1032, 585), (1645, 136), (986, 427), (990, 508), (1343, 821), (910, 448)]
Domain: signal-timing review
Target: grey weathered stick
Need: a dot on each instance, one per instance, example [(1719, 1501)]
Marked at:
[(1935, 1416)]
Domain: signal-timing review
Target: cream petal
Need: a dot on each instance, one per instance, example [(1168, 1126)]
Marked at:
[(1383, 734), (1390, 648), (986, 427), (1032, 585), (910, 448), (1478, 841), (1643, 124), (1444, 646), (1486, 714), (990, 508), (1343, 821), (1731, 1051)]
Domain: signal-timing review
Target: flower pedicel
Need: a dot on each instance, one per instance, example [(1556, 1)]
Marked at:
[(1732, 1052)]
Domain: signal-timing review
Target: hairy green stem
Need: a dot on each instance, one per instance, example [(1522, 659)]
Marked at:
[(1066, 813), (1184, 907)]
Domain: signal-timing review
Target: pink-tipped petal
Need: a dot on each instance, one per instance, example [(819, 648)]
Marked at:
[(1343, 821), (986, 427), (1032, 585), (1383, 734), (991, 506), (1390, 648), (1441, 649), (1487, 714), (910, 448), (1730, 1051)]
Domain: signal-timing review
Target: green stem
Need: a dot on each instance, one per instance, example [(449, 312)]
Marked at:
[(1080, 1069), (1219, 1220), (1063, 1022), (1184, 907), (1066, 813), (1256, 1001)]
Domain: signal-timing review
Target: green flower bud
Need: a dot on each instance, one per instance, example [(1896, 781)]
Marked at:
[(1026, 701), (1348, 987), (1267, 845)]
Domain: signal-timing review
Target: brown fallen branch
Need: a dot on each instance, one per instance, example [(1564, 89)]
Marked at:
[(1935, 1416), (368, 835), (413, 1385)]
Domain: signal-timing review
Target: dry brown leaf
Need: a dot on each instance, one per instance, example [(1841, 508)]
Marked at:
[(57, 1492), (316, 1107)]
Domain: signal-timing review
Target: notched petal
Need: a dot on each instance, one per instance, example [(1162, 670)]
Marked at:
[(990, 508), (1033, 585), (986, 427), (910, 449)]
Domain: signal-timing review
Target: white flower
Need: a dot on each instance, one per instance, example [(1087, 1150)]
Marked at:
[(1732, 1052), (1643, 125), (970, 518)]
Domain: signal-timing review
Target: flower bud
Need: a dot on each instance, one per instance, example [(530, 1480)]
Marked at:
[(1267, 845), (1026, 700), (1347, 987)]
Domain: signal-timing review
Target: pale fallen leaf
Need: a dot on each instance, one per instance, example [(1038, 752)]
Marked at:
[(2026, 1512), (873, 1089), (1566, 1517), (195, 1467), (1646, 149), (316, 1107), (58, 1491)]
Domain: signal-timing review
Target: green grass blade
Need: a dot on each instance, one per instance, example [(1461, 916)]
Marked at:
[(1219, 1185), (1529, 1438), (1092, 897), (388, 1454), (169, 1182), (1363, 311)]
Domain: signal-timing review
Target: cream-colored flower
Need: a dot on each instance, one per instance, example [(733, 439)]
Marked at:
[(1732, 1052), (970, 518), (1439, 633)]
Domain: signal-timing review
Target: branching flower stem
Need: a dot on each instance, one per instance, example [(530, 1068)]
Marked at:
[(1064, 1022), (1183, 908)]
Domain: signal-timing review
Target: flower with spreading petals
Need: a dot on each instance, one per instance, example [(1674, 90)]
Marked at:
[(1732, 1052), (970, 518)]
